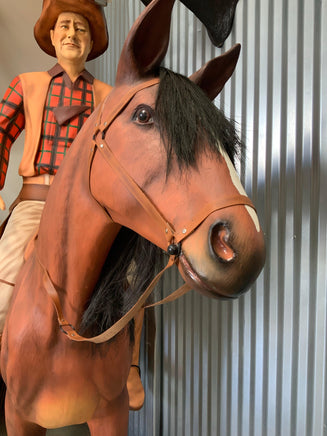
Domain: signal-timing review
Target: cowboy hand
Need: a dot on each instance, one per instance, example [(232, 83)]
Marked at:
[(2, 204)]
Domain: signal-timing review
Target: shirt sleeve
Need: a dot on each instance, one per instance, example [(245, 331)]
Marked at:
[(12, 122)]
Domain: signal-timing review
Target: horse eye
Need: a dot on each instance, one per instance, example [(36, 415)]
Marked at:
[(143, 116)]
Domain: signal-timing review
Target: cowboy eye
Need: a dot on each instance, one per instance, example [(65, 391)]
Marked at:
[(143, 115)]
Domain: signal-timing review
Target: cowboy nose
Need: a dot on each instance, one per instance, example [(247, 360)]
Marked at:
[(71, 32)]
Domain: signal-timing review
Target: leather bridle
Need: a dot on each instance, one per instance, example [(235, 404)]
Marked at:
[(173, 237)]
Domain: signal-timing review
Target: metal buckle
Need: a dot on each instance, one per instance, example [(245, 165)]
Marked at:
[(62, 328)]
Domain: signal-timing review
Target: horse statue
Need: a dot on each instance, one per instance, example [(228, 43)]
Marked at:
[(150, 173)]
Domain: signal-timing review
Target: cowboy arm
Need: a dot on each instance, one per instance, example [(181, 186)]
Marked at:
[(12, 122)]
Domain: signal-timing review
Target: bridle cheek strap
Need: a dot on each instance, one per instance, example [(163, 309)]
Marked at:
[(135, 190)]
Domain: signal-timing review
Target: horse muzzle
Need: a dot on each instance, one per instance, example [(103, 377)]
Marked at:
[(224, 255)]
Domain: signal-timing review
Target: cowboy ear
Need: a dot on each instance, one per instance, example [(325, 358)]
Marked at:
[(147, 42), (212, 77), (51, 36)]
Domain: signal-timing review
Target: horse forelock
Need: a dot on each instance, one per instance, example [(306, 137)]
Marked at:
[(190, 123)]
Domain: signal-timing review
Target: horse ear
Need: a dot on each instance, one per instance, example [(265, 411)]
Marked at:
[(212, 77), (146, 43)]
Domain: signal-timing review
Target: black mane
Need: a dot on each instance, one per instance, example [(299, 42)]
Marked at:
[(185, 117), (127, 271), (190, 123)]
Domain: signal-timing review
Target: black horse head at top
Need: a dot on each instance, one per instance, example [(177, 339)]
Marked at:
[(216, 15)]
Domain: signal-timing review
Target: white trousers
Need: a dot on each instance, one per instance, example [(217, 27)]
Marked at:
[(21, 227)]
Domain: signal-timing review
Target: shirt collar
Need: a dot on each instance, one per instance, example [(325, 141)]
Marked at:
[(58, 69)]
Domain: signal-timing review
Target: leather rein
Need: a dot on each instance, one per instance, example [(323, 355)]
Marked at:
[(172, 236)]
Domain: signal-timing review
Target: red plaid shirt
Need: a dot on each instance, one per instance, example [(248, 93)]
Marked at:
[(67, 107)]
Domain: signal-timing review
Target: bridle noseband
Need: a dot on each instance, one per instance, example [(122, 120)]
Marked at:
[(173, 237)]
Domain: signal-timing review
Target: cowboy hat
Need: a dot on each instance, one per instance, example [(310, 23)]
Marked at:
[(216, 15), (92, 10)]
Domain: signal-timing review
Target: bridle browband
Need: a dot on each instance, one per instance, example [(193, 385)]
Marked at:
[(173, 237)]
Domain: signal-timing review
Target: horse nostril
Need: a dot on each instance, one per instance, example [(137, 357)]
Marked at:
[(220, 244)]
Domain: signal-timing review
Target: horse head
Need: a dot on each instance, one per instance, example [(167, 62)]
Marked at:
[(172, 152)]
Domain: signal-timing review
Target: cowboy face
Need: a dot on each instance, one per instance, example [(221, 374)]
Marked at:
[(71, 38)]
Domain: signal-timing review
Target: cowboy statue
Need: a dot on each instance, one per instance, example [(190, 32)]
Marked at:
[(51, 106)]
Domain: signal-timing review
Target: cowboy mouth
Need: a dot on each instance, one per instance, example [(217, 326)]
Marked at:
[(70, 44)]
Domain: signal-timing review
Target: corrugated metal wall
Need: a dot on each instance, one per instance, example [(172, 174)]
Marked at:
[(255, 366)]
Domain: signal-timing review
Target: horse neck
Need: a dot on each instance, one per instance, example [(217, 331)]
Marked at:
[(75, 234)]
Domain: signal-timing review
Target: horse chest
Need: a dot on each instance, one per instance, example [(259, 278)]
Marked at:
[(69, 382), (62, 406)]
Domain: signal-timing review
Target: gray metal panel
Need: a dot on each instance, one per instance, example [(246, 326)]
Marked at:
[(255, 366)]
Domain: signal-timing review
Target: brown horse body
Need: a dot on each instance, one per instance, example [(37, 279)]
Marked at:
[(52, 381)]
